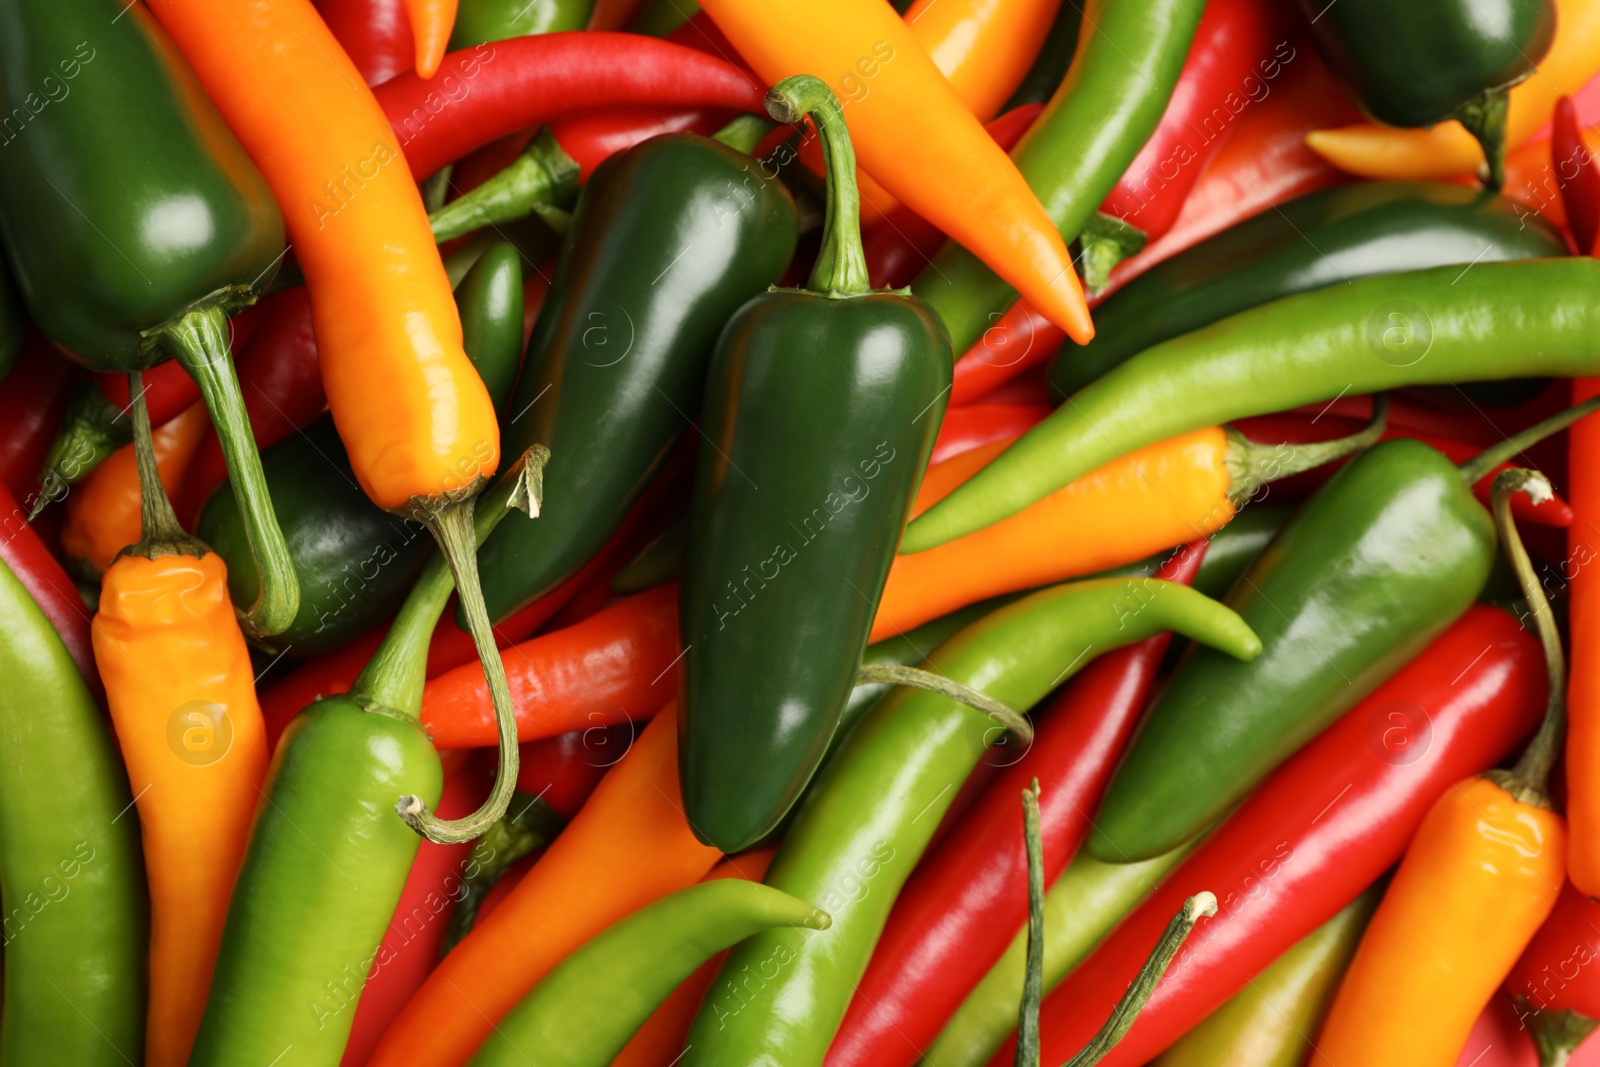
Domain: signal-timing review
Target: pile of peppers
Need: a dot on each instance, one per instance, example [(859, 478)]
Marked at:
[(855, 534)]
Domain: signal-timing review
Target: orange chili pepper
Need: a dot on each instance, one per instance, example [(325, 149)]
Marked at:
[(1447, 149), (907, 123), (628, 846), (412, 412), (431, 23), (181, 691), (1477, 882), (103, 511)]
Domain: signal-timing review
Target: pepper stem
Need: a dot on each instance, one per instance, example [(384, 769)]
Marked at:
[(199, 341), (1478, 467), (160, 533), (1033, 974), (1557, 1034), (1016, 724), (1485, 118), (1106, 241), (841, 267), (91, 430), (453, 527), (544, 175), (1200, 906), (1251, 465), (1530, 778)]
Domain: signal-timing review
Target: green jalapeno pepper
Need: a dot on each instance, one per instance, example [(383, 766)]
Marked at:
[(668, 239), (354, 561), (1111, 100), (135, 223), (868, 818), (71, 876), (1421, 62), (1320, 239), (821, 410)]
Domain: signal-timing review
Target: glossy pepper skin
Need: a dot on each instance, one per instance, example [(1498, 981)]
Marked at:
[(668, 240), (483, 21), (70, 870), (1419, 63), (1555, 985), (823, 404), (1313, 241), (1388, 554)]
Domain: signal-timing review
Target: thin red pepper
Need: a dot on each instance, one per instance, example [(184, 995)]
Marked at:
[(1021, 340), (33, 398), (591, 139), (1556, 985), (967, 899), (976, 425), (376, 35), (1313, 837), (41, 574), (1579, 174), (563, 770), (481, 94)]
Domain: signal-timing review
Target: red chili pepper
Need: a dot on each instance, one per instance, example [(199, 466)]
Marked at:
[(41, 574), (376, 35), (481, 94), (33, 398), (282, 385), (1579, 174), (563, 770), (967, 899), (1021, 340), (903, 242), (614, 667), (976, 425), (591, 139), (1313, 837), (1556, 985)]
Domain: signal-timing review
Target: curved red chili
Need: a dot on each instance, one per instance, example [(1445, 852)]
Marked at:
[(376, 35), (976, 425), (1580, 193), (33, 398), (592, 138), (968, 898)]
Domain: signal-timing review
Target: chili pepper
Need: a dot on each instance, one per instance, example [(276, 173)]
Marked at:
[(1448, 149), (32, 402), (375, 34), (529, 826), (485, 21), (616, 979), (75, 928), (1357, 231), (983, 50), (1055, 56), (292, 963), (977, 425), (1315, 835), (431, 21), (103, 515), (1139, 503), (32, 564), (65, 194), (888, 355), (612, 14), (1488, 857), (617, 360), (1495, 320), (589, 139), (1021, 340), (563, 770), (897, 96), (1120, 81), (632, 827), (955, 916), (1556, 995), (1573, 160), (870, 816), (179, 686)]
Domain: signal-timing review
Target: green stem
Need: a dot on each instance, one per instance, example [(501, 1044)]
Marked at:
[(744, 133), (1015, 723), (1478, 467), (199, 341), (91, 430), (1106, 241), (452, 525), (160, 533), (1252, 465), (1485, 118), (1557, 1034), (542, 176), (1529, 779), (1197, 907), (1033, 977), (841, 267)]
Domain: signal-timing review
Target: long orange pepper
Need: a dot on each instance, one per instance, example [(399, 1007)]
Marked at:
[(913, 134), (182, 696), (1477, 882), (103, 510), (628, 846), (412, 412), (1447, 149)]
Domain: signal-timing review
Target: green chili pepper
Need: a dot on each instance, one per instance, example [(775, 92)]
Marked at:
[(13, 321), (818, 399), (867, 820), (1422, 62), (1273, 1021), (1112, 99), (328, 854), (584, 1011), (71, 877), (1449, 324), (1320, 239), (1055, 57), (658, 18), (484, 21), (354, 561), (668, 239), (136, 223)]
